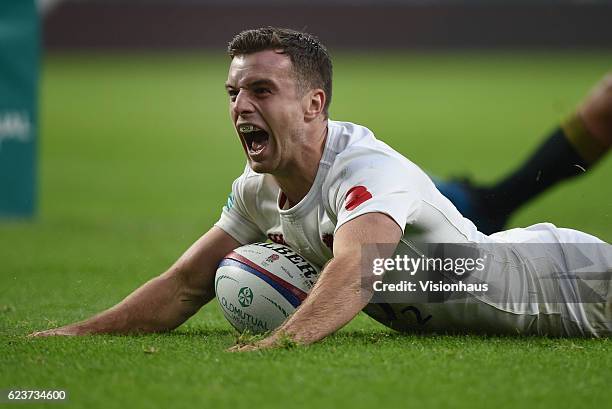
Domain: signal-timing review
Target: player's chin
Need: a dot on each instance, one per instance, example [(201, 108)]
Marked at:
[(265, 164), (260, 166)]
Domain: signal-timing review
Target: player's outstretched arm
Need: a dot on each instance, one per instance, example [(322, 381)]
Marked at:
[(337, 297), (166, 301)]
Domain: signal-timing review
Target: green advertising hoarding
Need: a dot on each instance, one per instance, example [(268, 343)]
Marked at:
[(19, 70)]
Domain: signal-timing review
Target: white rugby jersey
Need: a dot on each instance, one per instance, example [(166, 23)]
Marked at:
[(357, 174)]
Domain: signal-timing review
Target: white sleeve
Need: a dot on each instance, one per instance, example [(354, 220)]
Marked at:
[(235, 219), (372, 183)]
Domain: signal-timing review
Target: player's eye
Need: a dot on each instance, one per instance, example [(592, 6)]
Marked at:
[(232, 94), (261, 91)]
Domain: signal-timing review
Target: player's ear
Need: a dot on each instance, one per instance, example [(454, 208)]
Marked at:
[(314, 102)]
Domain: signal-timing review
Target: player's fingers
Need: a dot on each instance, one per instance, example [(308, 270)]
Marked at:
[(233, 348), (51, 332), (39, 334), (242, 348)]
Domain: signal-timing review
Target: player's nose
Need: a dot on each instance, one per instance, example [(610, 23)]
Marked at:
[(242, 104)]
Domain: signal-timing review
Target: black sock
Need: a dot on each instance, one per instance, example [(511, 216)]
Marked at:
[(555, 160)]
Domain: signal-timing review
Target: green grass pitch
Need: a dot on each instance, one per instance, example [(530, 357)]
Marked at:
[(137, 156)]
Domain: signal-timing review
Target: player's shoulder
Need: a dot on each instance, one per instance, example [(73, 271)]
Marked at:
[(347, 135), (355, 147), (362, 158)]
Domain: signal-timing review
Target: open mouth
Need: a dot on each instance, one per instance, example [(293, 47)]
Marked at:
[(256, 139)]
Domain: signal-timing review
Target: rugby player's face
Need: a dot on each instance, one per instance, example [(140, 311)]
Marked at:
[(266, 109)]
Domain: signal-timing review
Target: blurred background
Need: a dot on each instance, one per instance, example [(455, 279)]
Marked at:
[(121, 152), (354, 24)]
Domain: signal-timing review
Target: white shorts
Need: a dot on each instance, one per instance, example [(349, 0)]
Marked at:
[(543, 286)]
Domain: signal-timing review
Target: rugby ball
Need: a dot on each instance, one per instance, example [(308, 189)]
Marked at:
[(259, 285)]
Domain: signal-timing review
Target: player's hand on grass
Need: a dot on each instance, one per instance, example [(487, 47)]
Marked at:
[(243, 348), (266, 343), (277, 340)]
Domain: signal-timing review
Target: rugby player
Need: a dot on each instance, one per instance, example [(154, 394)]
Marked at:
[(330, 189)]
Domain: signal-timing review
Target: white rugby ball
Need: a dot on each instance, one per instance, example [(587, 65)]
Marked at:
[(259, 285)]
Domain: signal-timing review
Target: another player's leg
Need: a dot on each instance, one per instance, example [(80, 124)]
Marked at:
[(570, 150)]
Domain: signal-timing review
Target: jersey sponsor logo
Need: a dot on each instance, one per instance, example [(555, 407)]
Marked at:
[(356, 196), (277, 238)]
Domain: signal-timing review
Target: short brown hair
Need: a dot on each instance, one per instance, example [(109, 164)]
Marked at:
[(311, 61)]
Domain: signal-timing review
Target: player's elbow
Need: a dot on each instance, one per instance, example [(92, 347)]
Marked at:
[(191, 284), (179, 298)]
